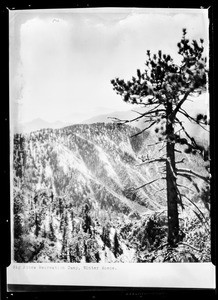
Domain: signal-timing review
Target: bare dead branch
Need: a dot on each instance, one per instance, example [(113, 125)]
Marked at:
[(196, 186), (186, 133), (191, 180), (172, 116), (147, 183), (144, 129), (154, 144), (186, 187), (192, 173), (195, 207), (148, 104), (152, 160), (154, 111), (124, 121), (190, 118), (180, 161), (142, 115), (163, 189), (181, 243), (163, 146), (186, 176)]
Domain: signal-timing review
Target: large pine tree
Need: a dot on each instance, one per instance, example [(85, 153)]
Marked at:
[(162, 89)]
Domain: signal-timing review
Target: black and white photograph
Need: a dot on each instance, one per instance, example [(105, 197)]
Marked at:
[(109, 132)]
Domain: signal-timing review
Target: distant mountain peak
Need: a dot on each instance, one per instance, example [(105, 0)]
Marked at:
[(37, 124)]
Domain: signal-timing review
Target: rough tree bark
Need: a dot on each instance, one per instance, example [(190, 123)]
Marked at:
[(172, 194)]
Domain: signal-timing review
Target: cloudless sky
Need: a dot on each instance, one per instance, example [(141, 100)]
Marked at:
[(62, 61)]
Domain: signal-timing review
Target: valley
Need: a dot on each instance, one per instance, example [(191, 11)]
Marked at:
[(76, 194)]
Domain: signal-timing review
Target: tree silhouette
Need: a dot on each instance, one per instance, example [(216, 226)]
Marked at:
[(162, 89)]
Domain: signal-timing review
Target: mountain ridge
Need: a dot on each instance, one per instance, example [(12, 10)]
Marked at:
[(77, 195), (92, 152), (39, 123)]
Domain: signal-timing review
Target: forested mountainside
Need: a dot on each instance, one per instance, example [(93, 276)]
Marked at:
[(77, 198)]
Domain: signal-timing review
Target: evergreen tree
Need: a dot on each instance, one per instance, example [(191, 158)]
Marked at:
[(87, 221), (18, 215), (51, 235), (65, 238), (117, 249), (162, 89), (105, 236)]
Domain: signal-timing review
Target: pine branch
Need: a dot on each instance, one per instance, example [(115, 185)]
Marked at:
[(163, 189), (154, 144), (182, 110), (147, 183), (180, 198), (180, 161), (192, 173), (163, 146), (176, 150), (147, 113), (144, 129), (178, 131), (151, 111), (152, 160), (124, 121), (181, 243), (154, 108), (184, 113), (191, 180), (181, 185), (141, 114), (172, 116), (196, 186), (195, 207), (186, 176), (186, 133)]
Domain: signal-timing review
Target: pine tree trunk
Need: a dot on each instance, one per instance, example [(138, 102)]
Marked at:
[(172, 206)]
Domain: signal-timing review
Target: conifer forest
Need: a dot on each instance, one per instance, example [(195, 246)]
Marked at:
[(77, 198), (112, 192)]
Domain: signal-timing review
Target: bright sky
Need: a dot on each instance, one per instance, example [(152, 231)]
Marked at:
[(62, 61)]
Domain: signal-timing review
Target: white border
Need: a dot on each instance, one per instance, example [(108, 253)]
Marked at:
[(164, 275)]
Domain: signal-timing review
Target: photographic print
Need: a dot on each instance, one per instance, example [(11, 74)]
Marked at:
[(110, 153)]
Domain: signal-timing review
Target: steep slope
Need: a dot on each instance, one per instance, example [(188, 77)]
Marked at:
[(96, 161), (76, 188)]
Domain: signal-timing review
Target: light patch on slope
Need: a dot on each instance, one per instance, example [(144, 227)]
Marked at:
[(68, 160), (107, 165), (128, 254), (48, 171), (106, 255), (126, 148), (111, 235)]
